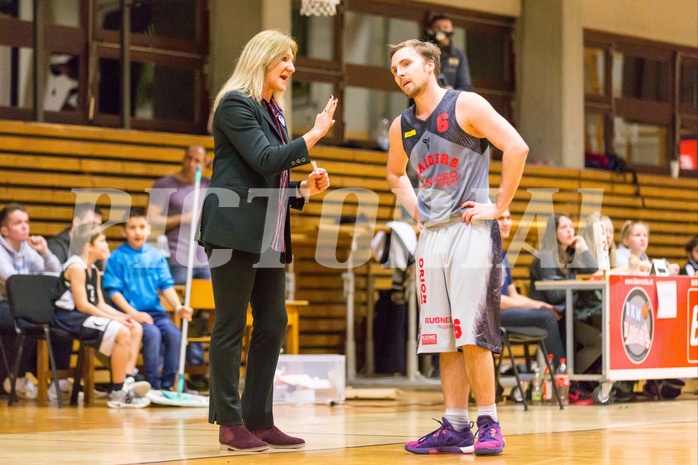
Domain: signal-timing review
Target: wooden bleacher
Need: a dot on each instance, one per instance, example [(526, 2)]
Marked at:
[(41, 163)]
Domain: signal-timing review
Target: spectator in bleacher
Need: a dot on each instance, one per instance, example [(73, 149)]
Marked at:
[(564, 255), (20, 253), (691, 266), (592, 223), (455, 70), (622, 390), (632, 258), (136, 272), (634, 239), (520, 310), (610, 239), (173, 208), (591, 300), (254, 155), (81, 311), (84, 213), (631, 255)]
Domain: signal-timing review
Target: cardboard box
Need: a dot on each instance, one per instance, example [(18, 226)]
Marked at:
[(310, 379)]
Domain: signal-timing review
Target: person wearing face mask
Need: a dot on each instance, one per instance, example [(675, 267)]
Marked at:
[(455, 70)]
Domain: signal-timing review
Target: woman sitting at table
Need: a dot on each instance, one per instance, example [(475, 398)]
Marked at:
[(622, 390), (631, 256), (564, 255), (591, 224), (520, 310)]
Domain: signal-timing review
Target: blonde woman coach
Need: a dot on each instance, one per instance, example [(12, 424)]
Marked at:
[(253, 158)]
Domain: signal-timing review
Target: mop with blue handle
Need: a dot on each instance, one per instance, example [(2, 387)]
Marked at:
[(180, 398)]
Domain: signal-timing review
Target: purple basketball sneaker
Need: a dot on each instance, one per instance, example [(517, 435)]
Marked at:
[(489, 437), (444, 440)]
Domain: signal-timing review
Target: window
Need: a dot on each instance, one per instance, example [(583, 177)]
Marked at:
[(637, 105), (688, 113), (78, 75), (16, 55), (595, 134), (354, 63), (594, 71), (640, 144), (168, 51)]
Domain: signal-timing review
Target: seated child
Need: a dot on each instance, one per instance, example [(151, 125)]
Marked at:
[(81, 311), (135, 273)]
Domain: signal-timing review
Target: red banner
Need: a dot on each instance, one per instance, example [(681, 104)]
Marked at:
[(653, 323)]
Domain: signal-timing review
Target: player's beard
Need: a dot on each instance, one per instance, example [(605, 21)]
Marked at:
[(416, 89), (413, 91)]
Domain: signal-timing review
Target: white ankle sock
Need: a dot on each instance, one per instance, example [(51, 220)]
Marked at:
[(457, 417), (489, 410)]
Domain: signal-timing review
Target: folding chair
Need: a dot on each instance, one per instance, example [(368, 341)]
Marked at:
[(526, 336), (31, 304), (4, 357)]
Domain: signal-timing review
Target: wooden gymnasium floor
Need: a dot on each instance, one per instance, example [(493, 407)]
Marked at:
[(366, 432)]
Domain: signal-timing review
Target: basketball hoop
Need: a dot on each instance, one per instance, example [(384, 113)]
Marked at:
[(319, 7)]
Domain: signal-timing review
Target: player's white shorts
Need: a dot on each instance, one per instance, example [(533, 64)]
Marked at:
[(459, 280)]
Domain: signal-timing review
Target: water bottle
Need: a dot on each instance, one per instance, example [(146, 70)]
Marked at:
[(547, 382), (536, 392), (562, 381)]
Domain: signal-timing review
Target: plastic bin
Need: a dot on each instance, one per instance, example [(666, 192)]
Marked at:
[(310, 379)]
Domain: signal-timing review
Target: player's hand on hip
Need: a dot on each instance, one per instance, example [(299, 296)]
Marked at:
[(478, 211)]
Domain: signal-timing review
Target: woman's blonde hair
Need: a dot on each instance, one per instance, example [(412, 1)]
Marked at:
[(263, 51), (588, 235), (628, 227)]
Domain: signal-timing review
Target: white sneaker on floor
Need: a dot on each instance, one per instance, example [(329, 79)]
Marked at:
[(140, 388), (66, 386), (25, 389), (126, 399)]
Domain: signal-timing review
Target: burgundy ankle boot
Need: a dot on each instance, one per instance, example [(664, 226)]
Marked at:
[(277, 439), (237, 437)]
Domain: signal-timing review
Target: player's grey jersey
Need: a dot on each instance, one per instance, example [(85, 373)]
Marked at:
[(452, 165)]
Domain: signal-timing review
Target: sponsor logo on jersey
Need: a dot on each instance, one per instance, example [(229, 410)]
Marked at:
[(428, 339), (436, 159), (411, 133), (422, 282), (434, 320)]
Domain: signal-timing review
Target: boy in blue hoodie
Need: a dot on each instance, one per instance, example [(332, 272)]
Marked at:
[(134, 275)]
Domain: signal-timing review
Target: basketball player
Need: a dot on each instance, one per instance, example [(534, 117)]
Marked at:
[(445, 136)]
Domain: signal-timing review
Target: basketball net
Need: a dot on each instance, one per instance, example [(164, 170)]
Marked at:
[(319, 7)]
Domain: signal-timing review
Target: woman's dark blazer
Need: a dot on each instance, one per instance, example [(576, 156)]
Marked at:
[(249, 155)]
